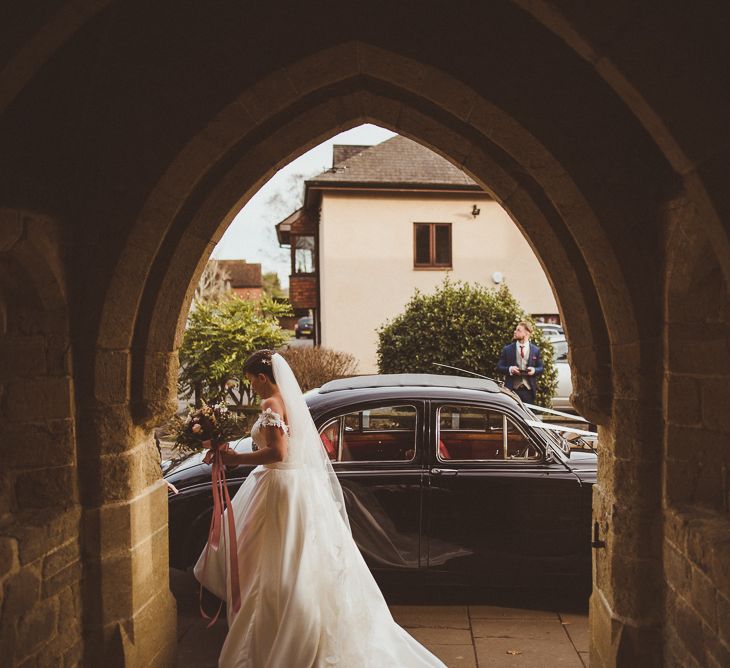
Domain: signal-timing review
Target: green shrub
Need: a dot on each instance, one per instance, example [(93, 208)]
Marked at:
[(220, 335), (462, 325)]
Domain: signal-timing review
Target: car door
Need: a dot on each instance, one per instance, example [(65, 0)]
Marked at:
[(377, 451), (499, 512)]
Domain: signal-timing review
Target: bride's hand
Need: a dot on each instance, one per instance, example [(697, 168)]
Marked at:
[(229, 457)]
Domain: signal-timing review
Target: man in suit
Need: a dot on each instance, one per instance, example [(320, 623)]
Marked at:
[(521, 362)]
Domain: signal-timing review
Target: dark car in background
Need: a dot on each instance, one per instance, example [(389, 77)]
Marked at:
[(304, 327), (447, 480)]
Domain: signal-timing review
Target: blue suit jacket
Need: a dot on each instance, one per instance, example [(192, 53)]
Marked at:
[(508, 358)]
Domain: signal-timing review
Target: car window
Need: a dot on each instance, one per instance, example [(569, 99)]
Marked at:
[(330, 435), (383, 433), (474, 433)]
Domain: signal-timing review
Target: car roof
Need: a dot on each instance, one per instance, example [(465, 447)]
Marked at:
[(415, 386), (409, 380)]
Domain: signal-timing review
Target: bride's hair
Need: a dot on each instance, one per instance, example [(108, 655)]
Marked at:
[(260, 362)]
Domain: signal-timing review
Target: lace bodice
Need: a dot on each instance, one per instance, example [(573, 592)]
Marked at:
[(267, 418)]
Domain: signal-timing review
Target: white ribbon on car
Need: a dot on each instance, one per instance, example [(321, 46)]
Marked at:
[(560, 428), (552, 411)]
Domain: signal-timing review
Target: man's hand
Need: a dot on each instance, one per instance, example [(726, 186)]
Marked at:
[(514, 371), (530, 370)]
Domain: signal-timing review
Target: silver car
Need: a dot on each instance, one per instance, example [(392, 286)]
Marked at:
[(551, 331), (561, 400)]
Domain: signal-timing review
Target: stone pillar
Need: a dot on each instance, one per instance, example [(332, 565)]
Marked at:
[(626, 603), (130, 615), (625, 606), (40, 565), (79, 502), (697, 457)]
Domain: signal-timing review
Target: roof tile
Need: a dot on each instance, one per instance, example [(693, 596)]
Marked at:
[(396, 161)]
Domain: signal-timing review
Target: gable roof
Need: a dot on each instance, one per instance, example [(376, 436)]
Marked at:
[(242, 274), (397, 161), (298, 222), (341, 152)]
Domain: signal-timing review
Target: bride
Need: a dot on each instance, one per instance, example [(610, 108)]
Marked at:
[(307, 596)]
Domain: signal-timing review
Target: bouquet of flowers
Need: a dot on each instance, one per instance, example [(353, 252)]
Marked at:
[(208, 427)]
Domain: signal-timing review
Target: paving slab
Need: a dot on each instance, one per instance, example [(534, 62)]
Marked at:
[(431, 616), (441, 636), (458, 656), (533, 629), (498, 612), (527, 653), (200, 646), (576, 626)]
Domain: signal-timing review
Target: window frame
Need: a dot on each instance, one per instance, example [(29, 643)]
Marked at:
[(294, 249), (505, 461), (432, 264), (357, 408)]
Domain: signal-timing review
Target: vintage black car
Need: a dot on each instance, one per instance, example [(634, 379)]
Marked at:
[(447, 480)]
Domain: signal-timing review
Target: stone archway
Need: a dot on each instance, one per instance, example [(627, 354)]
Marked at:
[(197, 197), (138, 134)]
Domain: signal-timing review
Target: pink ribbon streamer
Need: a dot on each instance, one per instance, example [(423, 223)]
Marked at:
[(221, 502)]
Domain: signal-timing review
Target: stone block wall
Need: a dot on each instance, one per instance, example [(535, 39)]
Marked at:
[(697, 605), (40, 554), (696, 548)]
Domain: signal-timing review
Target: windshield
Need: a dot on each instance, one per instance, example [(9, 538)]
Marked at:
[(558, 434)]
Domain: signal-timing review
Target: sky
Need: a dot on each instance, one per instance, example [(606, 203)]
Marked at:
[(251, 235)]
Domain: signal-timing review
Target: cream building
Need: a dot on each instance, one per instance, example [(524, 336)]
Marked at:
[(387, 220)]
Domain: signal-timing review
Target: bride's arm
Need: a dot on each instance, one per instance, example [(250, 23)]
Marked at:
[(273, 451)]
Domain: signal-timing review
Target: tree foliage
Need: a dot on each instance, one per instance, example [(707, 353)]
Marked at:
[(462, 325), (220, 335), (214, 283), (272, 286)]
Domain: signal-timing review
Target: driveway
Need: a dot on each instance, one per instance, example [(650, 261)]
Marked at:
[(463, 636), (294, 342)]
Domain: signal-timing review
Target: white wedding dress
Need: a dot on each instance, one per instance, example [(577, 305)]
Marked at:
[(307, 597)]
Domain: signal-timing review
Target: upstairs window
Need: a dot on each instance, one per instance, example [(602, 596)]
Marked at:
[(432, 245), (303, 255)]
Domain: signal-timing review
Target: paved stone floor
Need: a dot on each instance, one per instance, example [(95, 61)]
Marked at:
[(463, 636)]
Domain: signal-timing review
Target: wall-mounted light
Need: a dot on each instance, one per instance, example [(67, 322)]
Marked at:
[(497, 277), (475, 211)]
